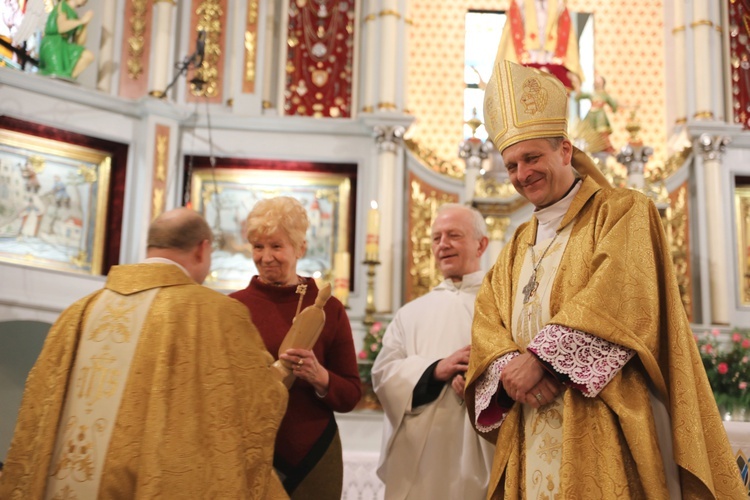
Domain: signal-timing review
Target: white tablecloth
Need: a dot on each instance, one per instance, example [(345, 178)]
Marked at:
[(739, 438)]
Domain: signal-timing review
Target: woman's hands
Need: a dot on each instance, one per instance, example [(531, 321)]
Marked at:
[(306, 367)]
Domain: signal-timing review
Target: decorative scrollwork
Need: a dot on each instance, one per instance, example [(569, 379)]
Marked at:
[(136, 40), (676, 221), (432, 161), (209, 20)]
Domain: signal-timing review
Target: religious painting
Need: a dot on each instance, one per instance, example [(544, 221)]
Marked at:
[(225, 196), (742, 216), (53, 203)]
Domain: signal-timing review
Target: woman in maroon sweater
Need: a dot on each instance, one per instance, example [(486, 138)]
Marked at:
[(308, 449)]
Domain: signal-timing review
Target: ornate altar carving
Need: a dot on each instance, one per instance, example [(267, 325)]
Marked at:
[(422, 273), (431, 160), (210, 17), (676, 224)]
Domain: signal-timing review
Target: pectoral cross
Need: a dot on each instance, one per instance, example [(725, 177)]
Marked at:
[(530, 288)]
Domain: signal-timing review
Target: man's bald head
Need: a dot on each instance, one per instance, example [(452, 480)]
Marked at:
[(183, 236), (178, 229)]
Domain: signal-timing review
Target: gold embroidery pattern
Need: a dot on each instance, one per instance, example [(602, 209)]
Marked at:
[(116, 322), (66, 494), (534, 97), (77, 459), (98, 380)]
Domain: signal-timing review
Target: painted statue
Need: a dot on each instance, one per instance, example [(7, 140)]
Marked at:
[(540, 34), (597, 117), (62, 52)]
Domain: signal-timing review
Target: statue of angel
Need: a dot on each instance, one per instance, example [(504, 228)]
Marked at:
[(62, 53)]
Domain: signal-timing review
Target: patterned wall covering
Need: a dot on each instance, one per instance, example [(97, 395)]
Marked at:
[(136, 43), (629, 52), (739, 54), (320, 43)]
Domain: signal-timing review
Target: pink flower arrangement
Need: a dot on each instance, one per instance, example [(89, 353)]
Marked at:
[(727, 366), (371, 345)]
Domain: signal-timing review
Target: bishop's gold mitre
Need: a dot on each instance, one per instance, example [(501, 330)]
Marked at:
[(523, 103)]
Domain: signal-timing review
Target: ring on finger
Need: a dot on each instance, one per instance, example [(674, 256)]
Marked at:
[(538, 396)]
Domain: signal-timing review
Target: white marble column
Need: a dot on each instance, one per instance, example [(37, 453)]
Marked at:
[(388, 138), (161, 65), (679, 79), (473, 151), (711, 148), (702, 26), (635, 158), (389, 18), (405, 56), (269, 71), (107, 47), (370, 60)]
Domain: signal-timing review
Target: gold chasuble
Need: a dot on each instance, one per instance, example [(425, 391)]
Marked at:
[(606, 446), (154, 387)]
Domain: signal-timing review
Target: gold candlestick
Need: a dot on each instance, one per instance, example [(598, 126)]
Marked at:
[(370, 303)]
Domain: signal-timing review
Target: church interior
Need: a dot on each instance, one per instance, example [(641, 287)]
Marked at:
[(370, 113)]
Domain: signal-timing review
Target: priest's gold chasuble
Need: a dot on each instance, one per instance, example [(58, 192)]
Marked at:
[(542, 427), (103, 360)]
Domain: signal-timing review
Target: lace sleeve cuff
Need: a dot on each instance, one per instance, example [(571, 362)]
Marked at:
[(589, 361), (489, 414)]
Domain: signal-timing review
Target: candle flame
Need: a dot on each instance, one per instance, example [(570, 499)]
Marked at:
[(374, 205)]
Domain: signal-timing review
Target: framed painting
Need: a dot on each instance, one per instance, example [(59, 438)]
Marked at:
[(53, 203), (742, 215), (225, 196)]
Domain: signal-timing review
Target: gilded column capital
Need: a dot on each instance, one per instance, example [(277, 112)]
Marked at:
[(712, 147), (388, 137)]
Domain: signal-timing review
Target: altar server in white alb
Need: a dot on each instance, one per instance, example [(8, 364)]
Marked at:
[(429, 448)]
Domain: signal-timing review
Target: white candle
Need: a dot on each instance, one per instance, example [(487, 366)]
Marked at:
[(341, 264), (373, 232)]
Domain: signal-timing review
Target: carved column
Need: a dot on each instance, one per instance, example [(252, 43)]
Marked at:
[(269, 68), (162, 36), (107, 47), (702, 26), (473, 151), (389, 18), (635, 157), (711, 148), (680, 77), (388, 139)]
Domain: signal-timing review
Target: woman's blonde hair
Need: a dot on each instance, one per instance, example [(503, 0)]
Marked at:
[(282, 212)]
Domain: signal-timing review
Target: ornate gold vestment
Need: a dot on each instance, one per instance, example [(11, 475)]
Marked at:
[(199, 410), (609, 443)]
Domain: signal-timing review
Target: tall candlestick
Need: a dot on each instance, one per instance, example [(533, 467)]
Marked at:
[(373, 232), (341, 276)]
